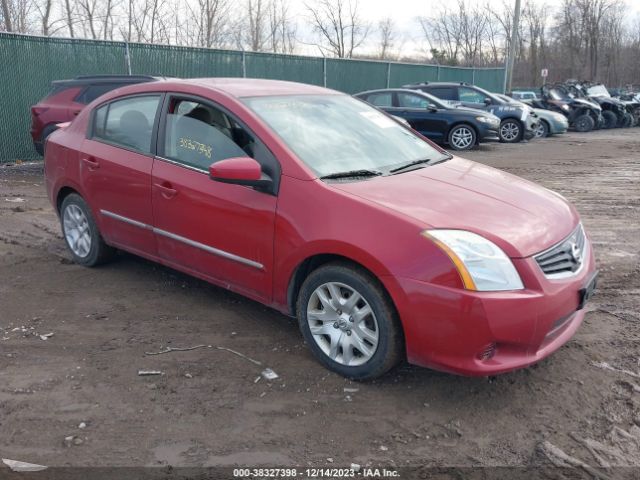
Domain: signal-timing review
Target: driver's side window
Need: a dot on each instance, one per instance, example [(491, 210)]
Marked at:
[(198, 135)]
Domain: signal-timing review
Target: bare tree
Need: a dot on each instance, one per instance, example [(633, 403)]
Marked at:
[(6, 16), (282, 28), (211, 18), (387, 32), (339, 26)]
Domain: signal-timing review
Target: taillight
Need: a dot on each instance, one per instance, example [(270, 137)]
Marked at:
[(37, 111)]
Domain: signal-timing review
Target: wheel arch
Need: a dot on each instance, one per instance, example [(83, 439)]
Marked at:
[(315, 261), (63, 193)]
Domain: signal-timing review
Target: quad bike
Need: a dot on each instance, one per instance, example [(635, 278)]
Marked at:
[(583, 115), (632, 103), (614, 111)]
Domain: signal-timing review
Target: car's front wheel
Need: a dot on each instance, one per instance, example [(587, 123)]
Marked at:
[(349, 322), (510, 131), (462, 137), (81, 232), (542, 129)]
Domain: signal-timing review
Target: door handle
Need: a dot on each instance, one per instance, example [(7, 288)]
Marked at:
[(166, 190), (91, 162)]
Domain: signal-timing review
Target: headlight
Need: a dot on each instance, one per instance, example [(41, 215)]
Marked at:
[(565, 106), (487, 120), (482, 265)]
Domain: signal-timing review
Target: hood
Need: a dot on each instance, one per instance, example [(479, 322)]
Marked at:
[(587, 103), (520, 217)]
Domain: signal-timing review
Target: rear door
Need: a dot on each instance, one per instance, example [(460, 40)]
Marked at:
[(115, 169), (472, 98), (220, 231)]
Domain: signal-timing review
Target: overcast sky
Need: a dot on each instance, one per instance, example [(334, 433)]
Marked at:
[(405, 12)]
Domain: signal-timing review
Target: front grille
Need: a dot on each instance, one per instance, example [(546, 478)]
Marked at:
[(565, 258)]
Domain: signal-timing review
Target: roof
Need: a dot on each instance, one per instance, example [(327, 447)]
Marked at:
[(424, 84), (102, 79), (255, 87)]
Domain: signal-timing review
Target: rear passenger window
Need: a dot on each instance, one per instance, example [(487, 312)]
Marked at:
[(127, 122), (380, 99), (90, 93), (409, 100), (198, 135), (445, 93)]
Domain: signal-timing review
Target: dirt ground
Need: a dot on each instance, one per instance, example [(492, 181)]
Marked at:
[(208, 409)]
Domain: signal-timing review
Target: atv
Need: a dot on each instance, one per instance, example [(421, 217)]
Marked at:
[(614, 111), (583, 115), (632, 103)]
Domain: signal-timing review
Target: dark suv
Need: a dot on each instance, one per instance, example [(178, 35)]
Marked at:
[(68, 97), (516, 122)]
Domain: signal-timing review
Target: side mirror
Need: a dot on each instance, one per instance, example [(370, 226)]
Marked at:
[(487, 101), (240, 171), (432, 107)]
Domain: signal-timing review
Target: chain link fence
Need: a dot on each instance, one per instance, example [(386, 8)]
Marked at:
[(28, 65)]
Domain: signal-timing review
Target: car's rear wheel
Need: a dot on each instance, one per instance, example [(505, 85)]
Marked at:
[(542, 130), (510, 131), (349, 322), (81, 232), (462, 137), (584, 123), (627, 120), (610, 119)]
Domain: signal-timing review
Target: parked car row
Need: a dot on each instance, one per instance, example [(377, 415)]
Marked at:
[(461, 115)]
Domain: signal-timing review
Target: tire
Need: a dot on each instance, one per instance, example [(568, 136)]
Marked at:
[(81, 233), (610, 119), (627, 120), (48, 130), (584, 123), (378, 334), (542, 130), (510, 131), (462, 137), (636, 116)]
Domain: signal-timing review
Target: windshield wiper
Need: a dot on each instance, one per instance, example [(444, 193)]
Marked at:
[(352, 173), (419, 162)]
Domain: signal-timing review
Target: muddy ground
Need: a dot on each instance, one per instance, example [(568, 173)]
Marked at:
[(207, 408)]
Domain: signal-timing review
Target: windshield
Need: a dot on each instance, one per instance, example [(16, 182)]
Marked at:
[(598, 91), (558, 94), (337, 133)]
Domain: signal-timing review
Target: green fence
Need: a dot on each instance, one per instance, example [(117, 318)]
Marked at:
[(29, 64)]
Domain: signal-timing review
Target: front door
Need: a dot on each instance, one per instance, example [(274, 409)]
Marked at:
[(415, 109), (115, 168), (222, 232)]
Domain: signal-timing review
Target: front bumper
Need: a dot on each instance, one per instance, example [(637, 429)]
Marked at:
[(488, 133), (557, 126), (451, 329)]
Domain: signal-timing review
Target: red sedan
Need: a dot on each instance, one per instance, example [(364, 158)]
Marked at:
[(310, 201)]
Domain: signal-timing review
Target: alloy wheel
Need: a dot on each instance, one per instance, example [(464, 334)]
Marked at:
[(509, 131), (76, 230), (462, 138), (343, 324), (539, 130)]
